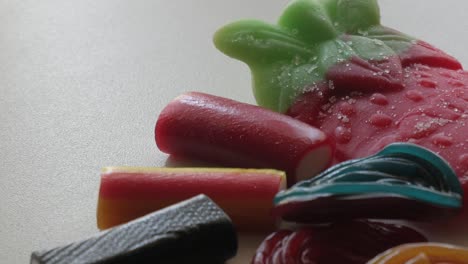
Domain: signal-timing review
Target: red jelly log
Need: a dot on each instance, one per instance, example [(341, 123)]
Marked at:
[(235, 134), (246, 195)]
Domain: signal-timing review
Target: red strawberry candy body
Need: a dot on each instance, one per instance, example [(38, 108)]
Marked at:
[(430, 110)]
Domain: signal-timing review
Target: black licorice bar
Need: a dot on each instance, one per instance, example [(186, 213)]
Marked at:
[(192, 231)]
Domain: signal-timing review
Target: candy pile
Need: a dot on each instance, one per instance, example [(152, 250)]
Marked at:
[(356, 121)]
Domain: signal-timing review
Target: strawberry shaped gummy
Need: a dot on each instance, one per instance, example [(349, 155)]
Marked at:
[(330, 63)]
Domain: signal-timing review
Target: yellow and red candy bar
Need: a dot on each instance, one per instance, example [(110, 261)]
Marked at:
[(246, 195)]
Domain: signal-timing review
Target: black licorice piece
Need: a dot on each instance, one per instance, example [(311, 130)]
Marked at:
[(192, 231)]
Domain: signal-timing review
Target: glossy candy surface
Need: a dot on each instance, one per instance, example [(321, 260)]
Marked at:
[(234, 134), (403, 181), (423, 253), (340, 243), (331, 64), (197, 227), (244, 194)]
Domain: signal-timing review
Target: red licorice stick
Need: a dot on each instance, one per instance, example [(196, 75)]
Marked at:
[(246, 195), (235, 134)]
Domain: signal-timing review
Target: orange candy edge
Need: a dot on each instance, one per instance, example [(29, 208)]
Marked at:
[(423, 253)]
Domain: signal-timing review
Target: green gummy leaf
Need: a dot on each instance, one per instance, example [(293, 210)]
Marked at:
[(311, 37), (294, 80), (396, 40), (334, 52), (370, 49), (350, 16), (258, 43), (308, 20), (267, 86), (277, 86)]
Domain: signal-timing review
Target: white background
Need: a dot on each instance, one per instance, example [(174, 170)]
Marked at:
[(82, 83)]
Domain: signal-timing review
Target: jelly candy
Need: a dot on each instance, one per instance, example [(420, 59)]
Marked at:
[(339, 243), (234, 134), (423, 253), (403, 181), (244, 194), (330, 63)]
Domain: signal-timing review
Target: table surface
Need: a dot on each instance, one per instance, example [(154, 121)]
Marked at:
[(82, 83)]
